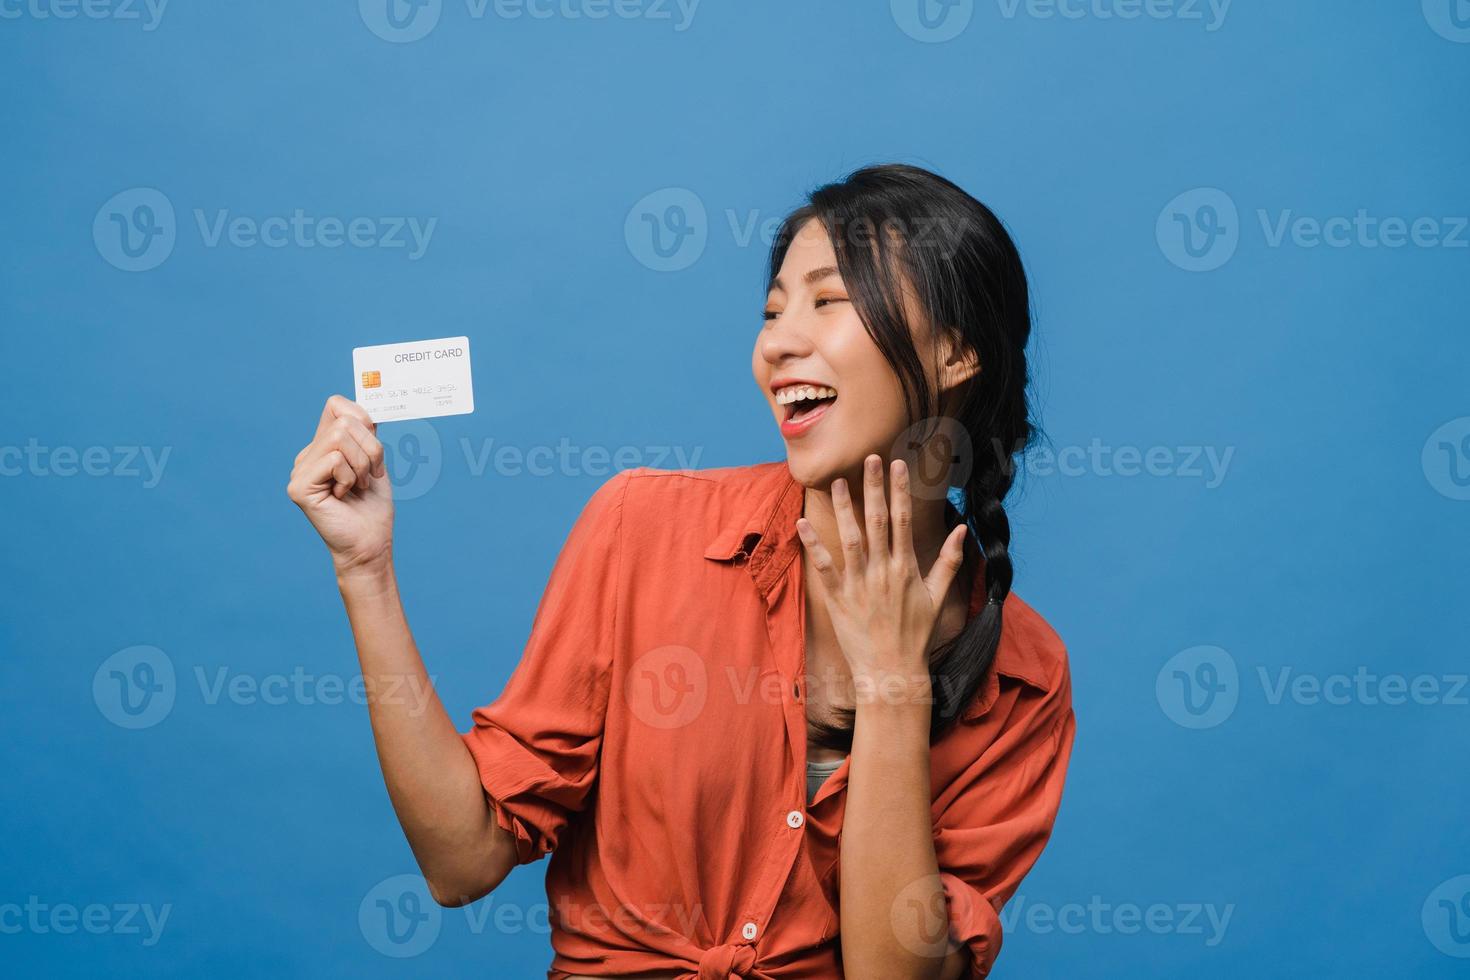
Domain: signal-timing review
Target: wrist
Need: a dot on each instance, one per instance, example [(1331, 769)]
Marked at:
[(370, 576), (895, 692)]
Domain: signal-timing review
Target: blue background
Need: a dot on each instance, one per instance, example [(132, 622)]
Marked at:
[(1335, 541)]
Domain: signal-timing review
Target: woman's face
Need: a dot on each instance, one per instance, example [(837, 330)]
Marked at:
[(813, 348)]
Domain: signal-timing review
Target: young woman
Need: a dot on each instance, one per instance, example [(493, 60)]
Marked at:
[(776, 721)]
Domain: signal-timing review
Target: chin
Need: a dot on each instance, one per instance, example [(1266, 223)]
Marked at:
[(816, 468)]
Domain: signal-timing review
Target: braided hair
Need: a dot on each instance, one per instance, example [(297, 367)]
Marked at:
[(900, 229)]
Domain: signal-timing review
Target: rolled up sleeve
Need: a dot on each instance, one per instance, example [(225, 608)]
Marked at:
[(999, 817), (536, 746)]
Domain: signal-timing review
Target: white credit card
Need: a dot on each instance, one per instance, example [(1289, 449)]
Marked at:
[(422, 379)]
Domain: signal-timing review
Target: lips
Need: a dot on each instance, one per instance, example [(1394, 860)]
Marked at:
[(795, 424), (805, 402)]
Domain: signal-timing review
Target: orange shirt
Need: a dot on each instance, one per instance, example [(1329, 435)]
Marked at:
[(653, 740)]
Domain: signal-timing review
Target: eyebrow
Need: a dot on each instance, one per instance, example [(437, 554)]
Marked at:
[(815, 275)]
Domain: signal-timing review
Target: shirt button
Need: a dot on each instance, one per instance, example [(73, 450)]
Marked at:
[(749, 930), (794, 819)]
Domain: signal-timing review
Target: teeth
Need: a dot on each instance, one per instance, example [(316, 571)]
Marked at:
[(797, 393)]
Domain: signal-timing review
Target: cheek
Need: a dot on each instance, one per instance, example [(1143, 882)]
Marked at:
[(862, 369)]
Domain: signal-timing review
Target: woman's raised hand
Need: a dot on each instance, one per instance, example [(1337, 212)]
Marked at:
[(340, 481), (883, 607)]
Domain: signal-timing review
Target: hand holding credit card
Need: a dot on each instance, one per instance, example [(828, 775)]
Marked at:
[(421, 379)]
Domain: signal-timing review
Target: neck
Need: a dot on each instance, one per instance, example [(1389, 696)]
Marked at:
[(928, 504)]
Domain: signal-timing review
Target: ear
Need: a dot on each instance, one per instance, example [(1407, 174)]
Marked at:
[(958, 362)]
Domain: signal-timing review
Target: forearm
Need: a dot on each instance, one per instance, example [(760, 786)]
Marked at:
[(429, 772), (887, 854)]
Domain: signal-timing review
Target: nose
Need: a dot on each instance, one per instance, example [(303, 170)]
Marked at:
[(784, 338)]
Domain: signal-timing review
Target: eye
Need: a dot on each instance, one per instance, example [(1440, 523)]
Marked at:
[(770, 315), (831, 299)]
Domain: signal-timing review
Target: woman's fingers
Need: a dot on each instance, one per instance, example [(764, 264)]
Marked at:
[(875, 511), (346, 438), (820, 558), (329, 468), (947, 565), (363, 437), (902, 511), (848, 529), (339, 406)]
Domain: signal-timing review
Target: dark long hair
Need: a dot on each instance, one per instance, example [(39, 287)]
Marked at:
[(893, 225)]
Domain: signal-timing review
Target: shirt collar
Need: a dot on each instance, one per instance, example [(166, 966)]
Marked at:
[(759, 530)]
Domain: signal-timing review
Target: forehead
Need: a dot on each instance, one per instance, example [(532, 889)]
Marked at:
[(810, 248)]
